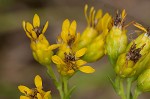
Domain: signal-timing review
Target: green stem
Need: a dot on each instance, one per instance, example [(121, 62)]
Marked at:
[(122, 93), (119, 87), (52, 75), (137, 92), (65, 86), (57, 84), (129, 83)]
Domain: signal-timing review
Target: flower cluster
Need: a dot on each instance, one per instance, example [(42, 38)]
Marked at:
[(104, 35), (34, 93)]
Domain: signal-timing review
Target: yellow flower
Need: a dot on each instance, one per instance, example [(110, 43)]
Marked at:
[(132, 63), (34, 93), (71, 63), (116, 40), (68, 38), (42, 51), (68, 35), (96, 24), (96, 49)]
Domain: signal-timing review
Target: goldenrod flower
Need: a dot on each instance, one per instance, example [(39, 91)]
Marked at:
[(68, 38), (96, 49), (136, 58), (42, 51), (96, 24), (132, 63), (94, 36), (71, 63), (116, 40), (68, 35), (34, 93)]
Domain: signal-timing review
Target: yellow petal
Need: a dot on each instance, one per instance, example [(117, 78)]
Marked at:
[(93, 18), (39, 96), (80, 62), (140, 26), (24, 89), (36, 21), (81, 52), (72, 28), (104, 20), (24, 27), (86, 69), (65, 29), (64, 36), (34, 35), (123, 15), (99, 14), (77, 38), (57, 60), (54, 46), (85, 13), (45, 27), (38, 82), (47, 95), (66, 25), (29, 27), (90, 16), (24, 97)]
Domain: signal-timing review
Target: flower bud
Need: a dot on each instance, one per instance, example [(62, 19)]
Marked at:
[(132, 63), (116, 40), (96, 24), (143, 39), (96, 49), (143, 81)]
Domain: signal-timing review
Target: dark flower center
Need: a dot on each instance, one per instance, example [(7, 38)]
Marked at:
[(134, 53)]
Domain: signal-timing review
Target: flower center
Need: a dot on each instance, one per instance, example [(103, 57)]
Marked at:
[(71, 40), (70, 61), (33, 95), (134, 53), (37, 30), (118, 21)]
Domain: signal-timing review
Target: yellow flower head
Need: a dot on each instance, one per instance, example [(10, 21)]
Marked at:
[(34, 93), (34, 31), (68, 36), (132, 63), (142, 39), (97, 23), (42, 51), (95, 19), (116, 40), (71, 63)]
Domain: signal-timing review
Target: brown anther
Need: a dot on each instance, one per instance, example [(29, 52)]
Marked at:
[(134, 53), (118, 21), (70, 61), (34, 94), (69, 57), (71, 40), (37, 30)]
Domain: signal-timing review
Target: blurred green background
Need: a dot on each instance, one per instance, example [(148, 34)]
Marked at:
[(17, 65)]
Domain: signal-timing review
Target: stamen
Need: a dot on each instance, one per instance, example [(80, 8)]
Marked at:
[(134, 53)]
